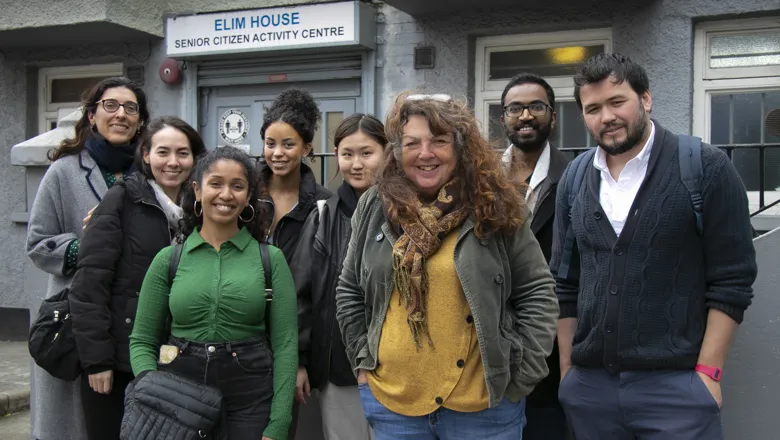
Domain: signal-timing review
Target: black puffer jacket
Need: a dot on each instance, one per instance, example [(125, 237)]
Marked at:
[(288, 230), (125, 233), (316, 267)]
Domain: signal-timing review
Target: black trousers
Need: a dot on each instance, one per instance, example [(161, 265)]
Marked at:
[(103, 412), (242, 371)]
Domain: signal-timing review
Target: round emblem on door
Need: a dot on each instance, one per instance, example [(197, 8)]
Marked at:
[(233, 126)]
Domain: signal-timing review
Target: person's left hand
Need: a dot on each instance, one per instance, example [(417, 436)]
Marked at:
[(713, 387), (267, 438)]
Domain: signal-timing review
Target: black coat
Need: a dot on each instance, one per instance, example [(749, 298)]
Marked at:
[(545, 395), (126, 231), (288, 230), (316, 267)]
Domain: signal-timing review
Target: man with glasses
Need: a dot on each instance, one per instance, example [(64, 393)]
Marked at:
[(529, 118)]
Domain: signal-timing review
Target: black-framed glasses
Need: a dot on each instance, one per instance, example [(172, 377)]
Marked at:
[(112, 106), (536, 108)]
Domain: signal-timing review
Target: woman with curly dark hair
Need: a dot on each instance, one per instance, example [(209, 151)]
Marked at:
[(291, 190), (221, 333), (446, 304)]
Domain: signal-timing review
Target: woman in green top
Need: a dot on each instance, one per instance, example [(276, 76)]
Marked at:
[(219, 333)]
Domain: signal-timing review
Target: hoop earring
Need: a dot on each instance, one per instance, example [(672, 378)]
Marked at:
[(250, 218), (195, 209)]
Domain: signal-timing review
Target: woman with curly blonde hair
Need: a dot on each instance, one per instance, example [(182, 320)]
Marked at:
[(445, 302)]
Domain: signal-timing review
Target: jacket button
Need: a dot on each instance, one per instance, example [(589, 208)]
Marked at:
[(51, 244), (137, 293), (461, 363), (469, 319), (597, 215), (609, 328), (129, 321), (483, 242), (439, 400), (379, 236), (499, 279), (613, 289), (619, 250)]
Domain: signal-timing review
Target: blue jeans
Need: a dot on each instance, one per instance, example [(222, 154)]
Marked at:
[(504, 422)]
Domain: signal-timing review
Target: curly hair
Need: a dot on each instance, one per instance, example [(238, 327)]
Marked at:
[(259, 224), (297, 108), (486, 191), (89, 104)]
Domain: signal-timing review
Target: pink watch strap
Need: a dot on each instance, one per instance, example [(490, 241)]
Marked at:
[(714, 372)]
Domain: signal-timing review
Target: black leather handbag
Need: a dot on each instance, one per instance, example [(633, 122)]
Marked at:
[(51, 343), (163, 406)]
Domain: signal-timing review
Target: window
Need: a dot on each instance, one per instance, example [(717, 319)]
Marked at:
[(736, 84), (60, 89), (553, 56)]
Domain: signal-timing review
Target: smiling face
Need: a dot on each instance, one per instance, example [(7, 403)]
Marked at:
[(526, 131), (223, 192), (284, 149), (359, 158), (118, 128), (615, 115), (170, 158), (428, 160)]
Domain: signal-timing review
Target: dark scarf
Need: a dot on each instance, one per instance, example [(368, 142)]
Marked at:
[(109, 157), (347, 199), (418, 240)]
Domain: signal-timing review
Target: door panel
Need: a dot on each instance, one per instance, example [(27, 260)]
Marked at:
[(233, 116)]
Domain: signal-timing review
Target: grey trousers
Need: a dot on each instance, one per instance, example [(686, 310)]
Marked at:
[(644, 405), (342, 414)]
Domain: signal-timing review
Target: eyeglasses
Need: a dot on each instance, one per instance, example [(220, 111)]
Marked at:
[(112, 106), (536, 108), (436, 97)]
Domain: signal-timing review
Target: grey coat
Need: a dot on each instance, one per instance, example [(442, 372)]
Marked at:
[(70, 188)]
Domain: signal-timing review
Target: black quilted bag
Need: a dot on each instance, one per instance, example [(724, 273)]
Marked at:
[(51, 343), (162, 406)]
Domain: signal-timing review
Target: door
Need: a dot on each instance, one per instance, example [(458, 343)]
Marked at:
[(234, 115)]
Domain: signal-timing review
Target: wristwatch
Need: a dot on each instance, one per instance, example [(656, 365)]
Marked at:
[(713, 372)]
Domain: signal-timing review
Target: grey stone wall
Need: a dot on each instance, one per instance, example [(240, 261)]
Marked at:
[(13, 91)]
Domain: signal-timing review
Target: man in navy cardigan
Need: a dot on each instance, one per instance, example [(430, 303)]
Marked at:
[(649, 305)]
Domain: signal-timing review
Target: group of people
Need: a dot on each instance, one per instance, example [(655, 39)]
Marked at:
[(444, 291)]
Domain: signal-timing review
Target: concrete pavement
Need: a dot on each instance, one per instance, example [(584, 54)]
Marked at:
[(15, 426), (14, 378)]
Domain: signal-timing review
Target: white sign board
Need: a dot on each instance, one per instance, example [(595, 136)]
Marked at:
[(263, 29)]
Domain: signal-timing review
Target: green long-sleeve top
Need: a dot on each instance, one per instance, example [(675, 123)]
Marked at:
[(218, 296)]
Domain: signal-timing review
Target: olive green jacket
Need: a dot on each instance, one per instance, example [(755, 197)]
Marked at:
[(505, 279)]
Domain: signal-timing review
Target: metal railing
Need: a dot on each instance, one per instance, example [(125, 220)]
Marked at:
[(572, 152)]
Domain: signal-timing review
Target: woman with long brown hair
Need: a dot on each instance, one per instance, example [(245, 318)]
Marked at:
[(83, 168), (445, 303)]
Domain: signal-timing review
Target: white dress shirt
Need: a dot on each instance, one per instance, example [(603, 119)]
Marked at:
[(537, 177), (616, 197)]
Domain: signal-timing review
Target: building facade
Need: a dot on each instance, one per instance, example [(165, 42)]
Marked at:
[(714, 67)]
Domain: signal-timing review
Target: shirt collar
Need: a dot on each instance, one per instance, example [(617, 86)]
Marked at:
[(542, 166), (239, 241), (600, 158)]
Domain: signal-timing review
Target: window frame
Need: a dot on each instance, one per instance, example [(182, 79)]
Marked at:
[(487, 92), (738, 79), (48, 111)]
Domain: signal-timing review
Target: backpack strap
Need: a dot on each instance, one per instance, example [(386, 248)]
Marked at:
[(173, 266), (689, 150), (574, 181)]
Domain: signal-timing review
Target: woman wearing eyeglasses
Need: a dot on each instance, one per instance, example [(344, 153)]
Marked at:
[(83, 169), (445, 303)]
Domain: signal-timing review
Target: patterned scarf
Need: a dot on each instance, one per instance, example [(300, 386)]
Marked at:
[(419, 240)]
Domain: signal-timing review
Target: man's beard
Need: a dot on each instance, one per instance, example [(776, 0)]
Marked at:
[(634, 135), (525, 144)]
